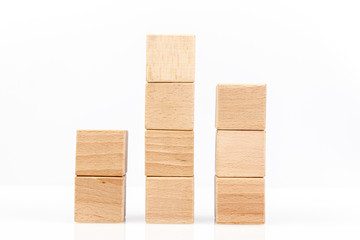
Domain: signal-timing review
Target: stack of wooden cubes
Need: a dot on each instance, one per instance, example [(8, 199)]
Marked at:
[(240, 154), (101, 165), (169, 121)]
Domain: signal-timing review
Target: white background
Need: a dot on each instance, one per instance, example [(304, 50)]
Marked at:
[(71, 64)]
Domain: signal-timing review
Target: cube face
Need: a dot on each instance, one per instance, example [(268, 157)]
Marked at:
[(170, 58), (240, 153), (241, 107), (169, 153), (169, 106), (101, 152), (169, 199), (99, 199), (240, 200)]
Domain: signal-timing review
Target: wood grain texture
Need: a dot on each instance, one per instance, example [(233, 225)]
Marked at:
[(169, 199), (101, 152), (99, 199), (241, 107), (169, 106), (170, 58), (240, 153), (169, 153), (240, 200)]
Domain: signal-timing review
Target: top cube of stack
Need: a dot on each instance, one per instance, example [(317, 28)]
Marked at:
[(101, 152), (170, 58), (241, 107)]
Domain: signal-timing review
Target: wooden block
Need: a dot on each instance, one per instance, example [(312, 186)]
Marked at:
[(170, 58), (101, 152), (240, 153), (169, 153), (241, 107), (240, 200), (169, 106), (169, 199), (99, 199)]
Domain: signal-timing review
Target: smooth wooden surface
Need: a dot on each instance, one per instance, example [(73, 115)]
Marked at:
[(170, 58), (240, 200), (169, 106), (241, 107), (169, 153), (169, 199), (99, 199), (101, 152), (240, 153)]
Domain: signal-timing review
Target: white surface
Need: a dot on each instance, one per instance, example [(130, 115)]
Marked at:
[(47, 213), (76, 64)]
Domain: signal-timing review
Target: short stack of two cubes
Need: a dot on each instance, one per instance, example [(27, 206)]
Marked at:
[(169, 121), (101, 165), (240, 154)]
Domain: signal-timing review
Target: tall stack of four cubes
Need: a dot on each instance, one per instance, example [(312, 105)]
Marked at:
[(169, 121), (240, 153), (101, 166)]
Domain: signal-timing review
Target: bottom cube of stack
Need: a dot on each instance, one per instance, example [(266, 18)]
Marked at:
[(240, 200), (169, 199), (99, 199)]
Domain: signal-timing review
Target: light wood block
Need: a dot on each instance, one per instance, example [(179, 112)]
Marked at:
[(241, 107), (101, 152), (169, 199), (240, 200), (170, 58), (169, 153), (169, 106), (240, 153), (99, 199)]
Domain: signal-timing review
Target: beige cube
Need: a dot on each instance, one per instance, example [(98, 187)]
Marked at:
[(99, 199), (241, 107), (240, 153), (169, 106), (169, 199), (169, 153), (170, 58), (101, 152), (240, 200)]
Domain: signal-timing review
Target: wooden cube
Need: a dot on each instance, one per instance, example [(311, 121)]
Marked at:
[(169, 106), (99, 199), (241, 107), (240, 200), (170, 58), (169, 153), (101, 152), (169, 199), (240, 153)]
